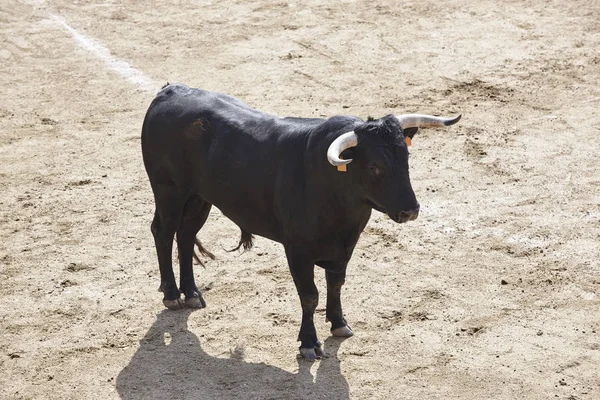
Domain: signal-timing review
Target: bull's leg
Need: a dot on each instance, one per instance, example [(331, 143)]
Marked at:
[(194, 216), (303, 273), (335, 281), (166, 221)]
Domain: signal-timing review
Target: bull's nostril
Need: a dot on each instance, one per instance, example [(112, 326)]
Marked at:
[(411, 215), (405, 216)]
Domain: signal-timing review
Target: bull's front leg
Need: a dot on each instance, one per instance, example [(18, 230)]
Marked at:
[(303, 272), (335, 281)]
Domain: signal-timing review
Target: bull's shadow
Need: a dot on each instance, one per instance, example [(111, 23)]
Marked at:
[(182, 370)]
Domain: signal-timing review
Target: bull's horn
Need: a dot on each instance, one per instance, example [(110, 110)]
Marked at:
[(424, 121), (345, 141)]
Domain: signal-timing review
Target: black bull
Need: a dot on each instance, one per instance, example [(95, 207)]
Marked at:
[(273, 177)]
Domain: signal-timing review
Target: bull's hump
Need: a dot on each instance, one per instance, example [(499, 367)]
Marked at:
[(175, 89)]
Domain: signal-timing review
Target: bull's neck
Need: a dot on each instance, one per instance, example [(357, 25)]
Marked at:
[(337, 191)]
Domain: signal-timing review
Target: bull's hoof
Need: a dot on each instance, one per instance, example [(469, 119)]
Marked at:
[(312, 353), (174, 304), (343, 331), (195, 302)]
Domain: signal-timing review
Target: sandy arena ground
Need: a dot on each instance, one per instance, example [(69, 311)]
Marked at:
[(493, 293)]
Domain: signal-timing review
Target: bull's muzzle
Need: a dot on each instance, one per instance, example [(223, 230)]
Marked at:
[(405, 216)]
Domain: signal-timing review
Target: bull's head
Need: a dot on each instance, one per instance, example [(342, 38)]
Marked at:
[(380, 151)]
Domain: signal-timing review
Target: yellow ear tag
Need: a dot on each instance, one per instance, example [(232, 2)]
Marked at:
[(342, 168), (408, 140)]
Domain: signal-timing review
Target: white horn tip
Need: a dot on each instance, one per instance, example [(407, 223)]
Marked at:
[(341, 161), (452, 121)]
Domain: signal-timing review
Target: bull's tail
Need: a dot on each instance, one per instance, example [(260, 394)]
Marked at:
[(202, 251), (246, 241)]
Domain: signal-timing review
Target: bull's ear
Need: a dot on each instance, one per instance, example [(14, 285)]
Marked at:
[(348, 154), (410, 132)]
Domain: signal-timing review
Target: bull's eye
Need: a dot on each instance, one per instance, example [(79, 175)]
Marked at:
[(374, 170)]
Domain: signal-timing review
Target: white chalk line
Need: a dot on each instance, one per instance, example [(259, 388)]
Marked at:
[(133, 75)]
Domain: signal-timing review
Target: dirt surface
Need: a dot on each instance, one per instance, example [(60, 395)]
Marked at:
[(491, 294)]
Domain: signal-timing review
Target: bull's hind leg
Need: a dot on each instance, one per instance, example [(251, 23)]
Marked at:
[(195, 214), (166, 220)]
